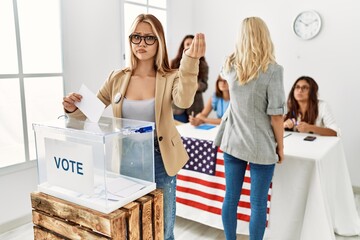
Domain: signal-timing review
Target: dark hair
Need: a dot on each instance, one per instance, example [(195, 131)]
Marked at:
[(218, 92), (312, 110), (175, 63)]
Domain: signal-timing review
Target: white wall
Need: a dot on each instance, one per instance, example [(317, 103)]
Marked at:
[(180, 19), (92, 42), (332, 58)]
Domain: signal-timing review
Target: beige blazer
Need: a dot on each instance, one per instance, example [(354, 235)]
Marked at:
[(177, 86)]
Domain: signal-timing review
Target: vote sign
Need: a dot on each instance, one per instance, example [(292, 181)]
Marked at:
[(70, 165)]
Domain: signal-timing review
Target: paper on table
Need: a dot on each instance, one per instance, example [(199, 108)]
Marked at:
[(90, 105), (205, 126), (123, 187)]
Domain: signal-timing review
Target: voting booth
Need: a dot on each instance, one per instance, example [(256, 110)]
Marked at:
[(102, 166)]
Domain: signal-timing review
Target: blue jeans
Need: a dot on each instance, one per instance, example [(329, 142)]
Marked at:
[(168, 185), (261, 176), (135, 160), (136, 163)]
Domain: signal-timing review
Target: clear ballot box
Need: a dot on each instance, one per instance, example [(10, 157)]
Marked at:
[(102, 166)]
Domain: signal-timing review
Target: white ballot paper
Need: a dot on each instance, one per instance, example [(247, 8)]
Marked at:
[(90, 105), (123, 187)]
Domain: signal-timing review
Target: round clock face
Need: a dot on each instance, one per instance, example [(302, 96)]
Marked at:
[(307, 25)]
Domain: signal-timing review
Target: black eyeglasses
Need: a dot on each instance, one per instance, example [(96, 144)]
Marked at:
[(303, 88), (136, 39)]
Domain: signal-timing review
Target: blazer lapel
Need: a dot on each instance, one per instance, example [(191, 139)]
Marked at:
[(123, 87), (159, 95)]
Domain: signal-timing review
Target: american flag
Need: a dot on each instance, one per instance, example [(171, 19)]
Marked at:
[(199, 193), (202, 155)]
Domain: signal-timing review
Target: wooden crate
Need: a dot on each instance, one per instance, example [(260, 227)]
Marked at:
[(55, 218)]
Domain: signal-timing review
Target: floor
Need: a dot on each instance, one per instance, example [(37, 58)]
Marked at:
[(184, 230)]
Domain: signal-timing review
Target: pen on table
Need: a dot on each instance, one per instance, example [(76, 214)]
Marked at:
[(294, 117), (288, 134)]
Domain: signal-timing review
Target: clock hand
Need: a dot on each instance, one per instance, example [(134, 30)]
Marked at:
[(315, 20), (306, 24)]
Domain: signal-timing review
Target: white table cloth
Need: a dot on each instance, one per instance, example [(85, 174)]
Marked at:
[(311, 194)]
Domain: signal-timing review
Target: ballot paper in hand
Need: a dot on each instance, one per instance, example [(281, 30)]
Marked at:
[(90, 105)]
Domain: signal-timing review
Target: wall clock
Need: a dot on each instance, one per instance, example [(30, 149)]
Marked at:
[(307, 25)]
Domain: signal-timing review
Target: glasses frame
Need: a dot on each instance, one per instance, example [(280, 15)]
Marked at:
[(142, 38), (302, 88)]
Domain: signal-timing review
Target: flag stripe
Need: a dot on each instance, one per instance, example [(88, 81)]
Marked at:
[(243, 206), (206, 192), (240, 216), (202, 182), (213, 197)]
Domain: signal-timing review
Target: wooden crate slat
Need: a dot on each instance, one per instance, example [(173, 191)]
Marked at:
[(118, 228), (132, 219), (44, 234), (103, 223), (146, 227), (158, 214), (61, 227), (59, 219)]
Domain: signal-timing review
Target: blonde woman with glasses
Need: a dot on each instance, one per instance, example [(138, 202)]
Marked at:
[(145, 91), (251, 131)]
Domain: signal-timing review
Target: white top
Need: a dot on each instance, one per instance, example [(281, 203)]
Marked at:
[(326, 118), (139, 109)]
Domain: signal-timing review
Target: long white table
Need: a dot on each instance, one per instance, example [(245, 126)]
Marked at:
[(311, 196)]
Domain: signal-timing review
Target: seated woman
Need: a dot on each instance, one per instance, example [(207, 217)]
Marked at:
[(219, 102), (307, 113)]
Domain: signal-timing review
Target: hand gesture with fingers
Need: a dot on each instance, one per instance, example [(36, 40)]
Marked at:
[(197, 47)]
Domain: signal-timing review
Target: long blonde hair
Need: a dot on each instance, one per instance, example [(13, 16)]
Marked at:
[(161, 61), (254, 50)]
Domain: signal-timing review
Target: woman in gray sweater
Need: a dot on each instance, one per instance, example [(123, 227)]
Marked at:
[(251, 130)]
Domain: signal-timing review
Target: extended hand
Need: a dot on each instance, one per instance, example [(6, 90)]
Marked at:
[(69, 102), (197, 47)]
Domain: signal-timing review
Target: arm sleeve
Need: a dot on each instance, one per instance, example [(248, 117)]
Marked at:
[(276, 93), (185, 82), (327, 118)]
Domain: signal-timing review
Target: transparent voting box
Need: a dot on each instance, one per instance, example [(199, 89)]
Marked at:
[(102, 165)]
